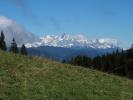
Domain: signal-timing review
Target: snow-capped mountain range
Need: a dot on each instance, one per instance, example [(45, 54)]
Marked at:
[(12, 29), (68, 41)]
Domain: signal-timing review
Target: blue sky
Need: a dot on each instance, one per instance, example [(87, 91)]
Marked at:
[(93, 18)]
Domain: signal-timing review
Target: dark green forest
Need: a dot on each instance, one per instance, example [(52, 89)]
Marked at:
[(119, 62)]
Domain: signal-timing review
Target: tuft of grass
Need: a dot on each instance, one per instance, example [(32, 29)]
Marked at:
[(34, 78)]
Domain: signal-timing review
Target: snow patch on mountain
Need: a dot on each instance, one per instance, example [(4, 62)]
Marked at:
[(67, 41)]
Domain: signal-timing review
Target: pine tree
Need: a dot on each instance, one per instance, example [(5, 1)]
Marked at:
[(14, 47), (2, 35), (2, 42), (23, 50)]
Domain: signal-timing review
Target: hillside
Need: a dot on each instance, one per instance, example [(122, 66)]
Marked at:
[(27, 78), (61, 53)]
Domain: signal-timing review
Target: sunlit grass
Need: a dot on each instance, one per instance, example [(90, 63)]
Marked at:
[(33, 78)]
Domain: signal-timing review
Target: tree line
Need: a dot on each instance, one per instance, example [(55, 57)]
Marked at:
[(119, 62), (13, 48)]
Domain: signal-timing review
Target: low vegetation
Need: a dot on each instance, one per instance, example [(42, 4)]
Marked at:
[(33, 78)]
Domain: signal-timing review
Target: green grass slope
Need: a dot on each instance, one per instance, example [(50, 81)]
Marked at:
[(26, 78)]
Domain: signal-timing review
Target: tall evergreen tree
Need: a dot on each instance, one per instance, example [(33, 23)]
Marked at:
[(14, 47), (2, 35), (23, 50), (2, 41)]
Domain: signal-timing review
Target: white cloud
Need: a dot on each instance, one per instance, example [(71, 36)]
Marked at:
[(12, 29), (5, 21)]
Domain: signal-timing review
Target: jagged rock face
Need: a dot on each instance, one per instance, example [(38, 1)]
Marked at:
[(67, 41)]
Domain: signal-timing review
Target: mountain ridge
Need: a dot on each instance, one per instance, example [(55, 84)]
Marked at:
[(67, 41), (61, 53)]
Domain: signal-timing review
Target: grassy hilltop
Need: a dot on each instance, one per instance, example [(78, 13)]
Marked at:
[(27, 78)]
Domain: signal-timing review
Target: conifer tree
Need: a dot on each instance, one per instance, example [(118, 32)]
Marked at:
[(23, 50), (14, 47), (2, 42)]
